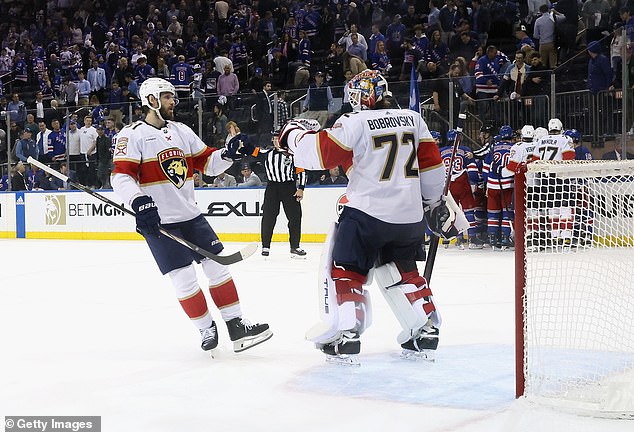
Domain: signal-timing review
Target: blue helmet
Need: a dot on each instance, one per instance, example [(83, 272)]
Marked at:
[(435, 135), (452, 134), (506, 131), (574, 134)]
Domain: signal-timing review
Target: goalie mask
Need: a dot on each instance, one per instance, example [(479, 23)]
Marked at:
[(367, 88)]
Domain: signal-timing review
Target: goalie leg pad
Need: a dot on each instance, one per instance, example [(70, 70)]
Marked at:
[(409, 297), (343, 303)]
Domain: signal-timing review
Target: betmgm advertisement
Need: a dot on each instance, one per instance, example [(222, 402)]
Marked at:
[(76, 215), (235, 214)]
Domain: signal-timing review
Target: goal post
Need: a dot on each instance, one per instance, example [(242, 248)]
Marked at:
[(574, 286)]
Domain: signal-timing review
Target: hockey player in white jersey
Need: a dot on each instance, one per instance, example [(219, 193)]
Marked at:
[(554, 146), (558, 193), (154, 161), (397, 177), (521, 153)]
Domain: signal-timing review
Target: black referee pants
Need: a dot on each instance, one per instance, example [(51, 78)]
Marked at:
[(276, 193)]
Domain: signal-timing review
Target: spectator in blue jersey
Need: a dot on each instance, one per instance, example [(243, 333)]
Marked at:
[(56, 146), (488, 79), (395, 35), (180, 76), (380, 61), (599, 69), (437, 51), (420, 39), (143, 70)]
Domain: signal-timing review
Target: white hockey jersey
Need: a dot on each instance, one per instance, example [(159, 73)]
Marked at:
[(160, 163), (396, 163), (553, 147), (521, 153)]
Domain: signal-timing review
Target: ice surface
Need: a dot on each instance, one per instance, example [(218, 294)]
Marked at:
[(92, 328)]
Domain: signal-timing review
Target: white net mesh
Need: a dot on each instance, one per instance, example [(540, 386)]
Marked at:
[(579, 294)]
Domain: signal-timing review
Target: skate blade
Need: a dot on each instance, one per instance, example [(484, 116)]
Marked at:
[(249, 342), (343, 360), (475, 247), (425, 356), (298, 257)]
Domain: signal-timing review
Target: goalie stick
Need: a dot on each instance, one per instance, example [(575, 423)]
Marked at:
[(434, 239), (233, 258)]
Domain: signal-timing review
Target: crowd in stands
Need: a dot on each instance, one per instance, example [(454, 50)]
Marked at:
[(91, 56)]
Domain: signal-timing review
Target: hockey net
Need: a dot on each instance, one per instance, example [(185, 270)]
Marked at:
[(575, 286)]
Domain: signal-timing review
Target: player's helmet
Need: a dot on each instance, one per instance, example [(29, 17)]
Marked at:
[(435, 135), (506, 132), (528, 132), (539, 133), (367, 88), (196, 68), (555, 125), (154, 87), (574, 134), (452, 134)]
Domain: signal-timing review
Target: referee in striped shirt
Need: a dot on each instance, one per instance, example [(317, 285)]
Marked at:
[(286, 186)]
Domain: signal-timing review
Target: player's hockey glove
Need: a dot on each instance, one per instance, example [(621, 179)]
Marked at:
[(148, 221), (298, 124), (440, 219), (238, 147)]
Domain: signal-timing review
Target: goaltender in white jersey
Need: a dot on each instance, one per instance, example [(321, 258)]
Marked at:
[(396, 176)]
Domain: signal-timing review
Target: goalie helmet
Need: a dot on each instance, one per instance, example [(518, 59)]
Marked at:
[(367, 88), (154, 87), (574, 135), (528, 132), (555, 125)]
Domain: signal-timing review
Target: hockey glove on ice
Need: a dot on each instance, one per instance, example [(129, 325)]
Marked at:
[(298, 124), (440, 219), (147, 217), (238, 147)]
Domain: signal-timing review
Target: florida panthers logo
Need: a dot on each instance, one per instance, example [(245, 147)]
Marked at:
[(174, 165)]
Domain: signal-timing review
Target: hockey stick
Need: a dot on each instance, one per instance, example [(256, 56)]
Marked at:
[(434, 239), (233, 258)]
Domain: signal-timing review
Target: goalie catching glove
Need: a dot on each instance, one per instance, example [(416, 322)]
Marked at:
[(298, 125), (238, 147), (441, 219)]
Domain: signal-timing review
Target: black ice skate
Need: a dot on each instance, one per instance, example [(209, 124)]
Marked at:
[(209, 337), (475, 242), (266, 251), (423, 346), (298, 253), (246, 335), (344, 350)]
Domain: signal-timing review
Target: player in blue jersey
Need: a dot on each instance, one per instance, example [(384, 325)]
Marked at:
[(581, 151), (499, 190)]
